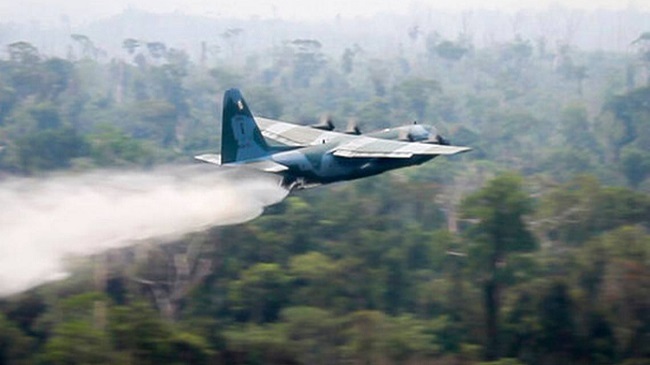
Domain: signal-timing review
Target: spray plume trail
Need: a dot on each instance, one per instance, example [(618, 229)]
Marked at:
[(42, 221)]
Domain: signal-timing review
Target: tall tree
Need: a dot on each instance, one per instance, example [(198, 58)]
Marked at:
[(499, 209)]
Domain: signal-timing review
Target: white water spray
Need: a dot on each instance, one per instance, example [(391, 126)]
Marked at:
[(42, 221)]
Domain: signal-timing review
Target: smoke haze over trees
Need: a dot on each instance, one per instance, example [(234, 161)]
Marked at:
[(592, 30)]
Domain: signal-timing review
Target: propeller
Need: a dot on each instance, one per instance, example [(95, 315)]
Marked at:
[(417, 133), (436, 138), (412, 133), (353, 127), (405, 135), (433, 135), (325, 123)]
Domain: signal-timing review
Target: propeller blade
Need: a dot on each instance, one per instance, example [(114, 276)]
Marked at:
[(435, 138), (325, 123), (353, 127), (405, 135)]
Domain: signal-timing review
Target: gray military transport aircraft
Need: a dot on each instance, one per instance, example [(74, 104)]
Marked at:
[(310, 156)]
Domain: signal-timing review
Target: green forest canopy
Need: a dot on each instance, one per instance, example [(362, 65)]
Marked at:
[(533, 248)]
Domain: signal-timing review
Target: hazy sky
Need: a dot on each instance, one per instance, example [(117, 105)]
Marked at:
[(81, 11)]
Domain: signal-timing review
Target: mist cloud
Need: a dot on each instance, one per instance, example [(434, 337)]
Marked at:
[(42, 221)]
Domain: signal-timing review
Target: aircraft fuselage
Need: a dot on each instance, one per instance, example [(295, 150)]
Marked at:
[(315, 165)]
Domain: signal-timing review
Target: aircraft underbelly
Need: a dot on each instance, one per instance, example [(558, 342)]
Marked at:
[(328, 168)]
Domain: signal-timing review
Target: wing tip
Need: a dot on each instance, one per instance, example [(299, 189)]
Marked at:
[(463, 149)]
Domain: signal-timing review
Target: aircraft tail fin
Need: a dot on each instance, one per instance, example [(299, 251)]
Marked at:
[(241, 138)]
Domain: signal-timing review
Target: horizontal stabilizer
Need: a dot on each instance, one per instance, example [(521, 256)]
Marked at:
[(209, 158), (266, 166)]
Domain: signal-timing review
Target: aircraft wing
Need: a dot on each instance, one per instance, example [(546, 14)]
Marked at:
[(293, 134), (368, 147), (352, 146)]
